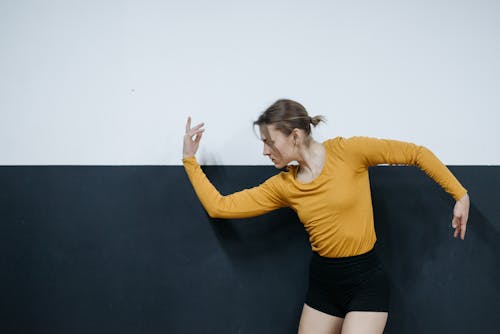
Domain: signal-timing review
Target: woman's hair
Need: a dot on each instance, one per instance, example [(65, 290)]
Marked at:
[(287, 115)]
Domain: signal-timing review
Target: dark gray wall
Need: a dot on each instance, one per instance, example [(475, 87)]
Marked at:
[(130, 249)]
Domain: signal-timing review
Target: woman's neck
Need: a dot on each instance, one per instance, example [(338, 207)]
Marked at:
[(311, 159)]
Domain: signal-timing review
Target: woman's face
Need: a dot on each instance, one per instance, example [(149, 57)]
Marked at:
[(278, 147)]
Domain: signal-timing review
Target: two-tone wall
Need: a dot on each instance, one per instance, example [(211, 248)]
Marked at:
[(100, 229)]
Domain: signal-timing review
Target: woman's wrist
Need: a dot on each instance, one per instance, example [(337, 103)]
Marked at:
[(464, 197)]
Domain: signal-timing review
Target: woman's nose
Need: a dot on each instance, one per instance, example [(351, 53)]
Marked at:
[(265, 150)]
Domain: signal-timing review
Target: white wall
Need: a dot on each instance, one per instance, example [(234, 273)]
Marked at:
[(95, 82)]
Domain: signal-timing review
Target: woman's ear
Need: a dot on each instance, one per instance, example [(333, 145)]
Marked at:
[(296, 135), (293, 136)]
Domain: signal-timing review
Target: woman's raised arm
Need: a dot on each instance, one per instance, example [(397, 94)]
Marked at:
[(246, 203)]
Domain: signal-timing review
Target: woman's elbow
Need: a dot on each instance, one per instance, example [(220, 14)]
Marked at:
[(216, 216), (213, 213), (218, 213), (224, 214)]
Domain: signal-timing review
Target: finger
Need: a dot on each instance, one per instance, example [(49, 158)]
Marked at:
[(457, 228), (188, 124), (196, 136), (464, 227), (198, 126), (466, 218), (454, 221), (193, 131)]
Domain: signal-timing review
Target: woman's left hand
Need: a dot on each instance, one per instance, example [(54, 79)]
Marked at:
[(460, 216)]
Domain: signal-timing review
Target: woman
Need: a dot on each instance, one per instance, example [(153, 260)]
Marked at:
[(329, 189)]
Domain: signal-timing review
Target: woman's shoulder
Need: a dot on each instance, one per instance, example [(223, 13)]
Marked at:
[(335, 141), (349, 140), (341, 139), (346, 145)]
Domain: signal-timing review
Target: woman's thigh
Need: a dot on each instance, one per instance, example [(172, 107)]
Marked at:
[(313, 321), (363, 322)]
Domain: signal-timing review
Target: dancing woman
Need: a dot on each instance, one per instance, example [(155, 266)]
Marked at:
[(329, 189)]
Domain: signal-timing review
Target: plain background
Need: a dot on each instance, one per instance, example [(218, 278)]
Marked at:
[(92, 82)]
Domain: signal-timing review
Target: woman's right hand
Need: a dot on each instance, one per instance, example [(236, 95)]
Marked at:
[(190, 145)]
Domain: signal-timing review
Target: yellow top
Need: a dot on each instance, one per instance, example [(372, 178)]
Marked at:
[(336, 206)]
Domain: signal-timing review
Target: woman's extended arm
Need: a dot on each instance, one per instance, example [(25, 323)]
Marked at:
[(246, 203)]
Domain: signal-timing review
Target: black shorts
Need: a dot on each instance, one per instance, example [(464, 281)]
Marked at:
[(353, 283)]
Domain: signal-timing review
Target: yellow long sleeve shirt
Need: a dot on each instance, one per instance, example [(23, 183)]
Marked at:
[(336, 206)]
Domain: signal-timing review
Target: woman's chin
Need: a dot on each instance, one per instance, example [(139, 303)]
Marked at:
[(277, 163)]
